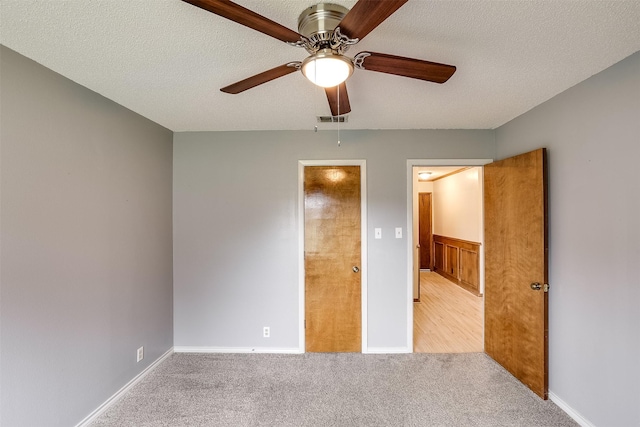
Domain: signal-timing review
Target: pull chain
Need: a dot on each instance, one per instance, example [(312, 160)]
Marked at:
[(338, 87), (317, 96)]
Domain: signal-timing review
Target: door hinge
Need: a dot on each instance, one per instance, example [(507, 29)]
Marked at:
[(545, 288), (305, 323)]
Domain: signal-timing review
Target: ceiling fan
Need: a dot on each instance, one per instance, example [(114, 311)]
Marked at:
[(327, 31)]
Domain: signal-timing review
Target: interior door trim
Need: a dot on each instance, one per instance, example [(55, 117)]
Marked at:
[(410, 244), (363, 241)]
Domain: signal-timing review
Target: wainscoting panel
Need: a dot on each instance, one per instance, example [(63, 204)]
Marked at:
[(438, 254), (459, 261)]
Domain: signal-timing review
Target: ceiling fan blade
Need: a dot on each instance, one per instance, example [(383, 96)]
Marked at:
[(261, 78), (407, 67), (228, 9), (341, 107), (366, 15)]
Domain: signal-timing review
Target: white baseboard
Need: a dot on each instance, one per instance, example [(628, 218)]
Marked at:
[(120, 393), (266, 350), (577, 417), (387, 350), (191, 349)]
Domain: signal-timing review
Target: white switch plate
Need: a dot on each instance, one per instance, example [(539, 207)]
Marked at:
[(398, 232), (378, 233)]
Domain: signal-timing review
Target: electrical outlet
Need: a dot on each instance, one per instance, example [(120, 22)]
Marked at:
[(140, 354), (266, 332)]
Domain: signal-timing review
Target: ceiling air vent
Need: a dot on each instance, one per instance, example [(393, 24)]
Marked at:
[(333, 119)]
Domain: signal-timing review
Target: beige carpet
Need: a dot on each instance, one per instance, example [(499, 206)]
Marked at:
[(331, 390)]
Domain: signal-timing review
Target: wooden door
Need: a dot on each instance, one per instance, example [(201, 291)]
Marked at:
[(332, 245), (516, 329), (424, 230)]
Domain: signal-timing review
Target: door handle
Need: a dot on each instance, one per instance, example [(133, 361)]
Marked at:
[(418, 246), (537, 286), (355, 269)]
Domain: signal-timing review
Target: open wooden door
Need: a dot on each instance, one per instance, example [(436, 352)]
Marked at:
[(516, 267), (332, 245)]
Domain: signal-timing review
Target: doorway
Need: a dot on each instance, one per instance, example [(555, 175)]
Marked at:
[(446, 316), (516, 237), (326, 324)]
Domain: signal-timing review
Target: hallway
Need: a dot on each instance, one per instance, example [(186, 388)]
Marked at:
[(447, 319)]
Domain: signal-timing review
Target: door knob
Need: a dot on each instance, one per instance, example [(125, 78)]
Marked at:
[(537, 286), (355, 269)]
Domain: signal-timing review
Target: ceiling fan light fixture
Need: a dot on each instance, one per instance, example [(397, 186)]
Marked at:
[(327, 68)]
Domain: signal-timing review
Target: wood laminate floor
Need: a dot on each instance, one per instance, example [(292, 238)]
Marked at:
[(448, 319)]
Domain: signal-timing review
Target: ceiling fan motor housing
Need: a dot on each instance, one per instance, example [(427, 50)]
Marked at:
[(317, 23)]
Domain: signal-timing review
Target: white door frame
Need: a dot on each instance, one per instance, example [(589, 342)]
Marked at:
[(410, 164), (363, 242)]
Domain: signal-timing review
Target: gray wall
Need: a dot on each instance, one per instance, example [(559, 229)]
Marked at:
[(592, 132), (236, 229), (86, 270)]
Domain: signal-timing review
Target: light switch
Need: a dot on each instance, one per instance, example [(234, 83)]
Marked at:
[(378, 233), (398, 232)]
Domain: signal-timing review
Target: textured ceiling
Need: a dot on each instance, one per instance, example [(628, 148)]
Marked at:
[(166, 59)]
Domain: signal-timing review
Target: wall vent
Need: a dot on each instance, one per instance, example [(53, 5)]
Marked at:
[(333, 119)]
